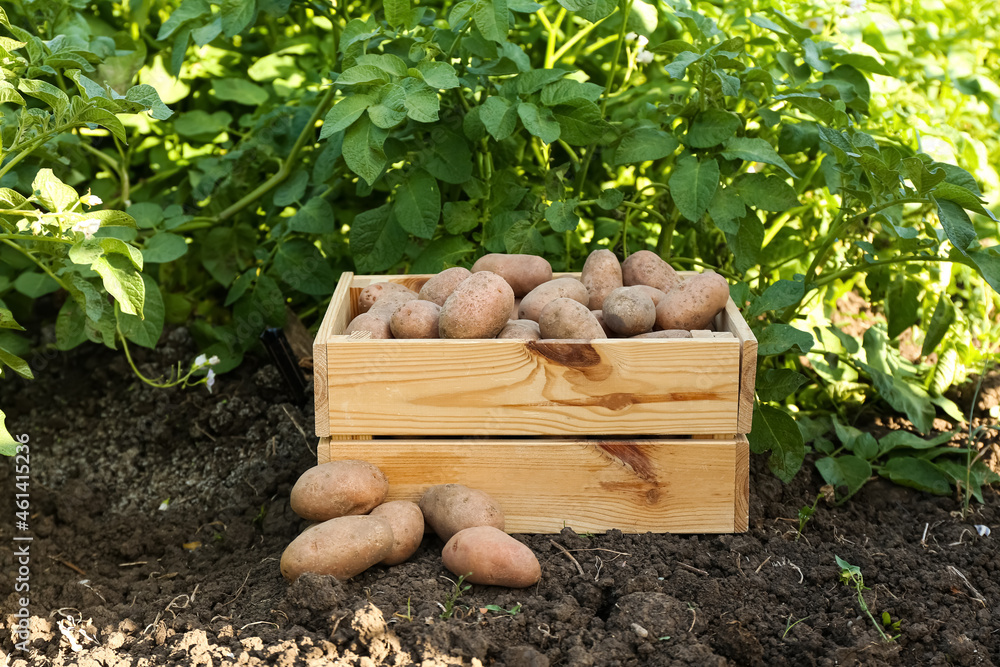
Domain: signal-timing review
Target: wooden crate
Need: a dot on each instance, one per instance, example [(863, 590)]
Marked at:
[(640, 435)]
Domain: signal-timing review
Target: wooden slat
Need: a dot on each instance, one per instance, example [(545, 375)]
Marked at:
[(545, 484), (731, 320), (334, 320), (741, 494)]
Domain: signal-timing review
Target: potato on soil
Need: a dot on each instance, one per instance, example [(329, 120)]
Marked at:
[(492, 556), (342, 547), (376, 326), (415, 319), (449, 508), (602, 274), (521, 330), (375, 291), (522, 272), (694, 303), (338, 488), (566, 318), (648, 268), (439, 287), (666, 333), (478, 308), (569, 288), (407, 522), (629, 311)]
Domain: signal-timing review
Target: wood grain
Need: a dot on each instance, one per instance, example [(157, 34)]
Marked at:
[(333, 320), (544, 484), (732, 320), (741, 494)]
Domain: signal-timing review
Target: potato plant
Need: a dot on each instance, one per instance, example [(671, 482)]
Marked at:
[(802, 158)]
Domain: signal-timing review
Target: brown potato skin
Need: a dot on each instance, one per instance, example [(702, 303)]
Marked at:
[(338, 488), (377, 326), (654, 294), (629, 311), (694, 303), (522, 272), (515, 309), (449, 508), (648, 268), (493, 557), (415, 319), (342, 547), (569, 319), (388, 303), (375, 291), (440, 287), (478, 308), (520, 330), (601, 275), (407, 522), (536, 300), (604, 325), (666, 333)]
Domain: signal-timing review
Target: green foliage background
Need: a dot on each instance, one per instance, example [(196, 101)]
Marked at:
[(246, 152)]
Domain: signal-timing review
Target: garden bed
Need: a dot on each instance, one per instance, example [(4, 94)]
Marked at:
[(197, 582)]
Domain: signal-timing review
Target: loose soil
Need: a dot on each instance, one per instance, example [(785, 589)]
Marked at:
[(159, 516)]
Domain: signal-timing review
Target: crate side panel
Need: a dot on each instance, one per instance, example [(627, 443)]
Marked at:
[(543, 485), (335, 320), (741, 496), (506, 387)]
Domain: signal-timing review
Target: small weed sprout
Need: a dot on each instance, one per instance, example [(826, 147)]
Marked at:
[(806, 513), (850, 576), (409, 612), (513, 611), (973, 454), (788, 624), (459, 588)]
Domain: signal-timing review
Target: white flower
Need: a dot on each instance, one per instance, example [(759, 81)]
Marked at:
[(91, 200), (643, 41), (855, 6), (631, 36), (87, 227), (815, 24), (36, 227), (213, 360), (210, 380), (200, 361), (644, 57)]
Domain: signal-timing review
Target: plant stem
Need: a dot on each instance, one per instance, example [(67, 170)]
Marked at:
[(827, 279), (583, 32), (38, 262), (32, 145), (645, 209), (25, 237)]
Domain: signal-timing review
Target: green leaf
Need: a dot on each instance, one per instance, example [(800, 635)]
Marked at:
[(443, 253), (164, 247), (397, 12), (692, 185), (450, 159), (146, 96), (438, 74), (523, 239), (580, 122), (422, 102), (539, 122), (963, 197), (302, 266), (292, 190), (188, 10), (610, 199), (237, 15), (240, 91), (390, 109), (46, 92), (52, 193), (9, 94), (567, 90), (644, 143), (561, 215), (460, 217), (902, 302), (418, 204), (499, 117), (360, 74), (941, 321), (16, 363), (778, 338), (86, 251), (316, 217), (391, 64), (957, 225), (712, 127), (113, 245), (8, 446), (376, 240), (780, 294), (226, 252), (122, 281), (727, 209), (988, 263), (146, 331), (363, 152), (7, 320), (746, 243), (917, 474), (681, 62), (905, 397), (111, 218), (34, 284), (201, 125), (855, 440), (858, 61), (490, 17), (775, 431), (105, 119), (899, 439), (264, 305), (11, 198), (754, 150), (345, 112), (767, 193), (850, 471), (776, 384)]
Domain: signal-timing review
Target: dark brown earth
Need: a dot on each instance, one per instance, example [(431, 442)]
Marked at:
[(118, 578)]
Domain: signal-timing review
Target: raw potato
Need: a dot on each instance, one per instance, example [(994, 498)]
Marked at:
[(407, 522), (387, 304), (602, 274), (338, 488), (533, 303), (478, 308), (492, 556), (515, 309), (647, 268), (666, 333), (566, 318), (654, 294), (440, 287), (415, 319), (378, 327), (629, 311), (522, 272), (604, 325), (694, 303), (449, 508), (342, 547), (375, 291), (521, 330)]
